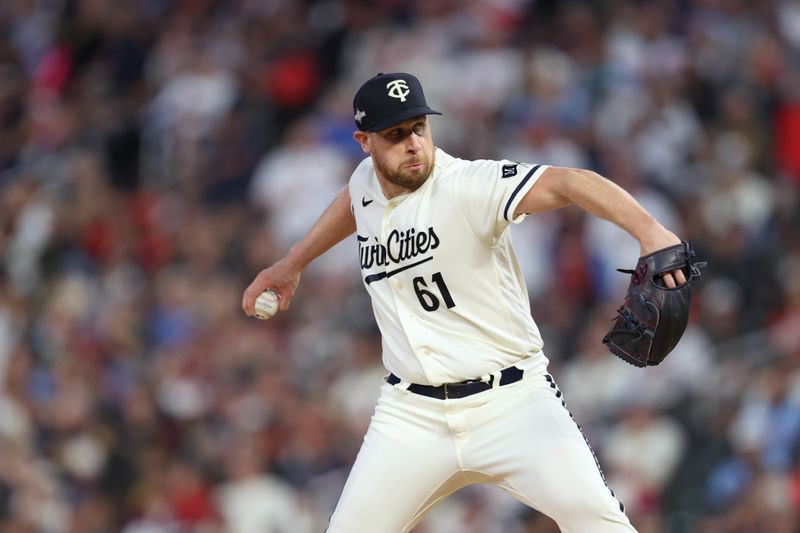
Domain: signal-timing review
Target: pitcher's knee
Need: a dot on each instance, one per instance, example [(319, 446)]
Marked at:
[(596, 513), (592, 510)]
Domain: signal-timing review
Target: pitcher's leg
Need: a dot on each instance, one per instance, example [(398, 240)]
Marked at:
[(543, 459), (406, 464)]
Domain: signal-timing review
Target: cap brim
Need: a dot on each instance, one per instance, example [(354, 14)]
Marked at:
[(400, 116)]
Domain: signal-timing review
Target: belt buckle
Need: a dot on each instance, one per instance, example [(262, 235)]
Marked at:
[(446, 394)]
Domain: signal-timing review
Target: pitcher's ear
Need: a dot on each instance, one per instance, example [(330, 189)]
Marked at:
[(362, 138)]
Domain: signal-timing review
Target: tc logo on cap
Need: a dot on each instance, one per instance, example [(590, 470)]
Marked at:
[(398, 89)]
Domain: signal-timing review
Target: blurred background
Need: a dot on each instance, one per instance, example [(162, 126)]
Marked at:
[(156, 154)]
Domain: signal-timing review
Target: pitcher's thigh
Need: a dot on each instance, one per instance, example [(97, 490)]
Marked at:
[(395, 479), (557, 473)]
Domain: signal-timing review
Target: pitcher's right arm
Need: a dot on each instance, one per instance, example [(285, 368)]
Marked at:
[(335, 223)]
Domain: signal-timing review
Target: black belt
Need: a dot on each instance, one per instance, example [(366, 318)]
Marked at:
[(449, 391)]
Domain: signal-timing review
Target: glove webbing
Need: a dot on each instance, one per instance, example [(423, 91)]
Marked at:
[(640, 328)]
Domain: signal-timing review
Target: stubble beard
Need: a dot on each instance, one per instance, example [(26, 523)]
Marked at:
[(408, 179)]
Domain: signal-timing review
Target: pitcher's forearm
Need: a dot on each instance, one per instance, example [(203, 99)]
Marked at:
[(335, 223)]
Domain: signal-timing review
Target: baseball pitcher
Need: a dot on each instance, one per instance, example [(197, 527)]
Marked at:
[(467, 398)]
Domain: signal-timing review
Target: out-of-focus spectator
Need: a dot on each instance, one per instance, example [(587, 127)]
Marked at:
[(768, 422), (594, 385), (641, 453), (282, 188), (253, 501)]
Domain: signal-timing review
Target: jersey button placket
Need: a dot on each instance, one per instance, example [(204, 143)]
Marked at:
[(396, 283), (386, 222)]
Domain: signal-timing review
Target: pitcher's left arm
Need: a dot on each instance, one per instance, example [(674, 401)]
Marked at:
[(561, 186)]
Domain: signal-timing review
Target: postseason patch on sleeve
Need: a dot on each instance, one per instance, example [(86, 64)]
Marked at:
[(509, 171)]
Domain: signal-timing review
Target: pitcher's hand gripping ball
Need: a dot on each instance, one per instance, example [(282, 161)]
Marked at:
[(266, 305), (653, 317)]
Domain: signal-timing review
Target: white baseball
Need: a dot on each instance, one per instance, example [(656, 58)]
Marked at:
[(266, 305)]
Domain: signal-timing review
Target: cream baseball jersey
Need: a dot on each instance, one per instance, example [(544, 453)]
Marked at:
[(447, 290)]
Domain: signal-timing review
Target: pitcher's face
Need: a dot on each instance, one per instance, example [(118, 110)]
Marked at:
[(402, 154)]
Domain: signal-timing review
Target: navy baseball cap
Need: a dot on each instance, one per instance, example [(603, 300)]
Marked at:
[(388, 99)]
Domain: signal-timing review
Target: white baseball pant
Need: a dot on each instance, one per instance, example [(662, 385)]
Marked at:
[(520, 437)]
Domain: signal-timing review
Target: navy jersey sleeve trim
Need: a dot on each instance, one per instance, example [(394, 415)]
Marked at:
[(519, 188)]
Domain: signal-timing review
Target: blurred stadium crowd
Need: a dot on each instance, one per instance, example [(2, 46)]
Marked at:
[(156, 154)]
